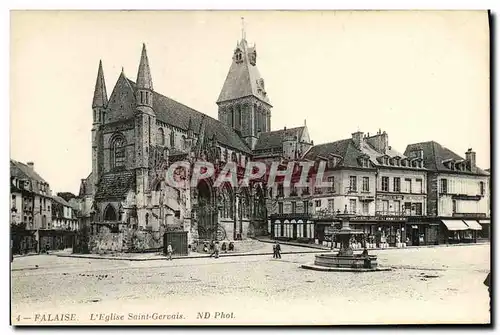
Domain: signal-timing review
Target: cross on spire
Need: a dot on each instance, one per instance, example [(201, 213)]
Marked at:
[(243, 33)]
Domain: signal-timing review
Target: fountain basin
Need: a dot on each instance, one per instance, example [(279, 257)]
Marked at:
[(355, 263)]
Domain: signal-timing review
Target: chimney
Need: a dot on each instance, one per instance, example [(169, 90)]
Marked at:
[(31, 165), (357, 138), (470, 157), (284, 128), (380, 141)]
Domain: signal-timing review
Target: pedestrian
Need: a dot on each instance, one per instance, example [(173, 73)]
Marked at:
[(216, 249), (278, 250), (367, 261), (169, 251), (224, 247), (274, 250), (231, 246)]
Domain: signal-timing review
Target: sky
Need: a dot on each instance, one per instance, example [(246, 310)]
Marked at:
[(419, 76)]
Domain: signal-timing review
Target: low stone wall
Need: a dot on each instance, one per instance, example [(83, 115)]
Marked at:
[(127, 241), (107, 242), (141, 241)]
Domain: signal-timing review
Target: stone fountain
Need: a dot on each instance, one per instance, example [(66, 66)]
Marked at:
[(345, 259)]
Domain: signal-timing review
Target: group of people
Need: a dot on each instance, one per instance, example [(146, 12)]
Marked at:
[(215, 248)]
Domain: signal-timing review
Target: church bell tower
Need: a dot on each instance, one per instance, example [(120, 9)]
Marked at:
[(243, 101)]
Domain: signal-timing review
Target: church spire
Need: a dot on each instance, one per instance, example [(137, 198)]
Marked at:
[(100, 96), (144, 74)]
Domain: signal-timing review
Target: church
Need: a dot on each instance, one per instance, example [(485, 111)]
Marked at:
[(137, 133)]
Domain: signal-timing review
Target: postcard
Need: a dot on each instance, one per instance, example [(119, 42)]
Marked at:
[(250, 167)]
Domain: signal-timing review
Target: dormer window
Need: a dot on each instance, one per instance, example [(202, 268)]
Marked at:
[(238, 56)]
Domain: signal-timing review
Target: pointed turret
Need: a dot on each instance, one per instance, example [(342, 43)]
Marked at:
[(144, 74), (200, 144), (100, 94)]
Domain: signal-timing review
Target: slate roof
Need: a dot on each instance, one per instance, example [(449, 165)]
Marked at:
[(115, 184), (368, 149), (435, 154), (21, 170), (61, 201), (243, 78), (86, 187), (343, 148), (178, 115), (274, 139)]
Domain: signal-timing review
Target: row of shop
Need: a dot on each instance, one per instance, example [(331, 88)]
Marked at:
[(416, 232)]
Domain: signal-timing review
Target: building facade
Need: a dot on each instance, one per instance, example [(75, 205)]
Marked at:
[(458, 196), (31, 203), (63, 215)]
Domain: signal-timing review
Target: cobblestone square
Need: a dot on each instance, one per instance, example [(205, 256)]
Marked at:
[(426, 285)]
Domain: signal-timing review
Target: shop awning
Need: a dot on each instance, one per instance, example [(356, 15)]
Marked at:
[(473, 225), (484, 221), (455, 224)]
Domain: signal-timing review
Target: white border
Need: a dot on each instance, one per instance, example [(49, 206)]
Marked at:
[(186, 4)]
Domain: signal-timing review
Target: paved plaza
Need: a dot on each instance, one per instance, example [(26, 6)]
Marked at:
[(426, 285)]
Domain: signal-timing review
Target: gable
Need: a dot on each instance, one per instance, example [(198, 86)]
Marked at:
[(121, 105)]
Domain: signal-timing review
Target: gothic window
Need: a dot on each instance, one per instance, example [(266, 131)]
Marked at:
[(110, 214), (225, 155), (255, 121), (233, 157), (147, 219), (233, 116), (118, 152), (238, 117), (172, 139), (161, 136)]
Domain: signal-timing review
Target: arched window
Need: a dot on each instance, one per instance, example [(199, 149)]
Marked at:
[(44, 222), (233, 157), (172, 139), (110, 214), (118, 152), (161, 136)]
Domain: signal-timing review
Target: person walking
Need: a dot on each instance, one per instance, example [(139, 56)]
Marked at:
[(216, 249), (278, 250), (274, 250), (169, 251)]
